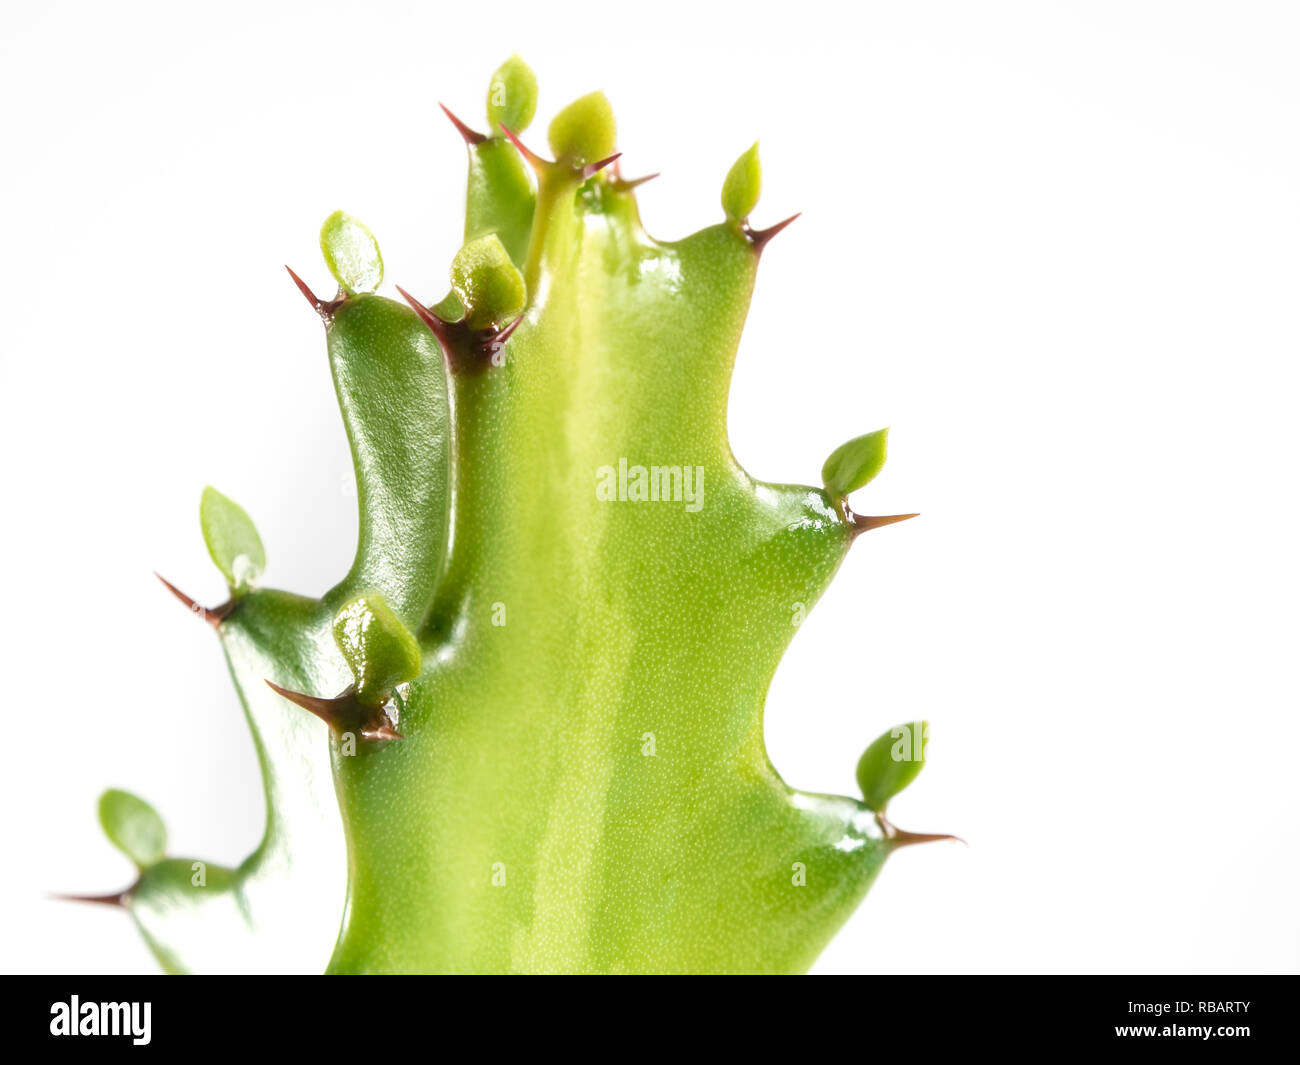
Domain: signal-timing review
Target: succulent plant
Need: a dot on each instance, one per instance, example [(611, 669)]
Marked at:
[(524, 733)]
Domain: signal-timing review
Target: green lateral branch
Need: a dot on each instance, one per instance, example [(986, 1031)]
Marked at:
[(557, 182)]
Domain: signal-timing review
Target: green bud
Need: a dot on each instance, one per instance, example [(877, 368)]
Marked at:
[(583, 132), (743, 184), (854, 464), (891, 763), (512, 97), (487, 283), (232, 540), (352, 254), (379, 649), (133, 826)]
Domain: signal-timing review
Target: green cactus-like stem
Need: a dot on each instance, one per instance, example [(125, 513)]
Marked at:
[(581, 782), (278, 911)]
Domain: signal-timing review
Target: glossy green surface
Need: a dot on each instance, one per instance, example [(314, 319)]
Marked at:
[(392, 390), (487, 283), (380, 651), (279, 910), (601, 596)]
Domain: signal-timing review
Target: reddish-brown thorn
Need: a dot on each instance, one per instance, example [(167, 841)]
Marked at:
[(906, 839), (325, 308), (311, 297), (485, 343), (759, 237), (900, 838), (104, 900), (472, 137), (325, 709), (213, 616), (534, 160), (505, 333), (463, 347), (591, 169), (862, 523), (628, 184), (381, 733), (342, 713), (436, 325)]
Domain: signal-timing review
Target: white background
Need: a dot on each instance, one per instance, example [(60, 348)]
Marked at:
[(1055, 246)]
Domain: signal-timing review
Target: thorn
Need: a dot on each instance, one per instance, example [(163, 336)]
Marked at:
[(312, 298), (901, 838), (325, 308), (325, 709), (862, 523), (462, 346), (534, 160), (592, 169), (759, 237), (381, 733), (214, 616), (436, 325), (190, 603), (104, 900), (506, 333), (472, 137), (540, 165), (342, 713), (906, 839), (628, 184), (488, 342)]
